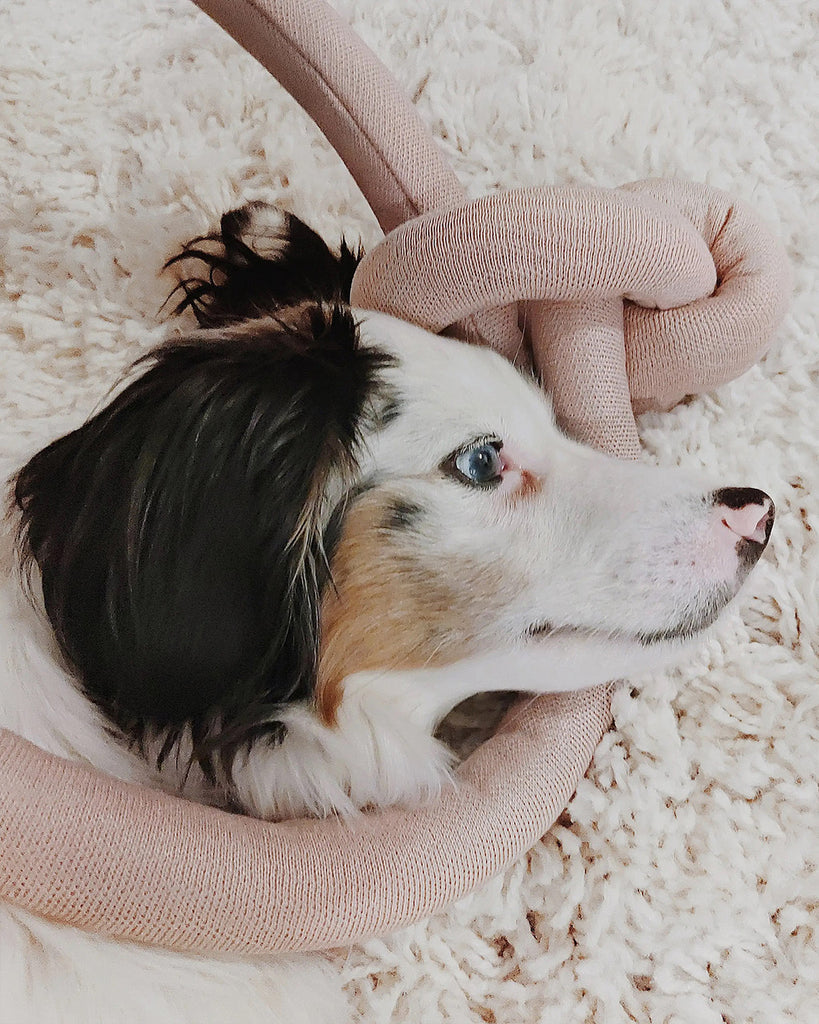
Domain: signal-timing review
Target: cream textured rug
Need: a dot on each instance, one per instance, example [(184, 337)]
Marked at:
[(682, 883)]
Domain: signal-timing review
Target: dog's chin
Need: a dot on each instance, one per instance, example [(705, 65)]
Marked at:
[(674, 637), (620, 653), (690, 624)]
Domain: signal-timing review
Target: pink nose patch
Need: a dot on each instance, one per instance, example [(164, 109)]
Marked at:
[(751, 521)]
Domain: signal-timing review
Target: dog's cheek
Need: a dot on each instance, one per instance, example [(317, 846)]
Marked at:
[(393, 603), (371, 615)]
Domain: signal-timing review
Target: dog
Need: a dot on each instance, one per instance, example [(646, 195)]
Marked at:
[(293, 540), (302, 533)]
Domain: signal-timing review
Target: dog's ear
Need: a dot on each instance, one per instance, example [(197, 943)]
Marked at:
[(178, 533), (261, 260)]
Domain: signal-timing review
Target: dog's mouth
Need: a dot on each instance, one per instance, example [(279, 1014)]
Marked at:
[(548, 631), (687, 626)]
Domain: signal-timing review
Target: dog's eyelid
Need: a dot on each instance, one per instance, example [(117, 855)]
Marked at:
[(491, 439)]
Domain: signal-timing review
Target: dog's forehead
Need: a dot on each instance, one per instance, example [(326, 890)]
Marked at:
[(457, 391)]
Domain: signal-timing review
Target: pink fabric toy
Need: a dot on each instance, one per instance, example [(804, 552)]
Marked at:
[(632, 297)]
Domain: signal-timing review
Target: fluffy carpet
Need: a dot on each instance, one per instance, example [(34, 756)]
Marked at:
[(681, 884)]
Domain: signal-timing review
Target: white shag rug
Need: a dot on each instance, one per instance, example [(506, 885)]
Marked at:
[(681, 885)]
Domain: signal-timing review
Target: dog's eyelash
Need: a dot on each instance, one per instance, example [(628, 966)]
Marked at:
[(476, 442)]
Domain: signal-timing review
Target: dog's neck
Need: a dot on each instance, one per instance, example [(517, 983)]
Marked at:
[(382, 749)]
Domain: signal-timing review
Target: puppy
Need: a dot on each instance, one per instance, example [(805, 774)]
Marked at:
[(300, 534)]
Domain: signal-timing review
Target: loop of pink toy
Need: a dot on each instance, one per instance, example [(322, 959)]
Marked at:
[(572, 264), (559, 244), (145, 866)]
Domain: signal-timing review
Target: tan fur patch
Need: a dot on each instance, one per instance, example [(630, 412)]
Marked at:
[(529, 486), (392, 607)]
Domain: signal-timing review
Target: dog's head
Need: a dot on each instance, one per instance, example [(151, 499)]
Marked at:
[(299, 493)]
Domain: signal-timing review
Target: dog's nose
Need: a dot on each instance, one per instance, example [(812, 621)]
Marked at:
[(748, 513)]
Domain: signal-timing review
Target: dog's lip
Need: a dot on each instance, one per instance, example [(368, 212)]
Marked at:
[(545, 630), (549, 629), (540, 628)]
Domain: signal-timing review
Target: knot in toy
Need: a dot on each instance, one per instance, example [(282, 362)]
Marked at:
[(619, 299)]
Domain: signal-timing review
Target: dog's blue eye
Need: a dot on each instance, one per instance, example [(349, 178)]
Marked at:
[(480, 466)]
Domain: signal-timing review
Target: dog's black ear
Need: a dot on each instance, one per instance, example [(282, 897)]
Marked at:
[(178, 533), (261, 260)]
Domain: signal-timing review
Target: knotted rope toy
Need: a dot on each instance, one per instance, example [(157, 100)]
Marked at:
[(630, 298)]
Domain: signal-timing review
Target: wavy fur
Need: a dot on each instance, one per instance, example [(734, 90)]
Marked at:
[(179, 533)]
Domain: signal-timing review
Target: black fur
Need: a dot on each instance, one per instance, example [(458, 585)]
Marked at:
[(402, 514), (390, 411), (176, 532), (239, 283)]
